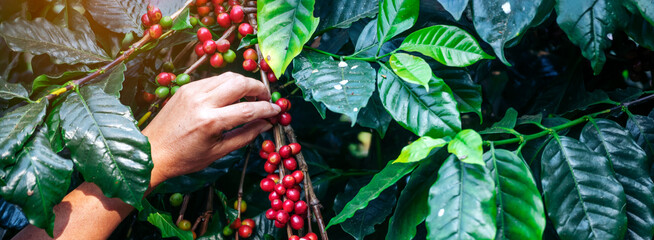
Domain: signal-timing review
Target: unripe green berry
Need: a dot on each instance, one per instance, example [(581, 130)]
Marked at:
[(275, 96), (182, 79), (229, 56), (162, 92), (169, 67), (173, 90), (166, 22), (194, 21), (227, 231), (176, 199)]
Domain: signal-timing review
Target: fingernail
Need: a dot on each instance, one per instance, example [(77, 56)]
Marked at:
[(276, 107)]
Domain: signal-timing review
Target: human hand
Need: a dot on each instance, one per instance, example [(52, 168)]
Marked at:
[(196, 126)]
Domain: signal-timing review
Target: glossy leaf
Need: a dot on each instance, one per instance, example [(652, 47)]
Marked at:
[(44, 81), (374, 115), (111, 81), (411, 69), (183, 21), (395, 17), (454, 7), (641, 31), (10, 91), (582, 196), (419, 149), (507, 122), (448, 45), (342, 13), (466, 92), (381, 181), (499, 22), (105, 144), (168, 228), (284, 27), (520, 209), (344, 87), (467, 146), (430, 113), (247, 41), (642, 130), (119, 16), (646, 9), (11, 216), (38, 181), (461, 202), (630, 164), (16, 127), (588, 23), (42, 37)]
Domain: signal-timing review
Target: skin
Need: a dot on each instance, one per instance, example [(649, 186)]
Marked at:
[(196, 127)]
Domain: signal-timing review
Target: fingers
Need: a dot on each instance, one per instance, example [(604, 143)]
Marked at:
[(236, 88), (231, 116), (240, 137)]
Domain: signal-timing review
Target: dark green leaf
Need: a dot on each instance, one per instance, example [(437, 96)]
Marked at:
[(588, 24), (381, 181), (508, 122), (42, 37), (119, 16), (367, 40), (38, 181), (182, 22), (467, 146), (641, 31), (53, 123), (342, 13), (284, 27), (581, 194), (10, 91), (16, 127), (44, 81), (466, 92), (448, 45), (165, 223), (642, 130), (462, 202), (630, 164), (374, 115), (363, 222), (106, 146), (419, 149), (11, 216), (454, 7), (430, 113), (247, 41), (112, 81), (498, 22), (520, 208), (530, 119), (395, 17), (344, 87), (411, 69), (646, 9)]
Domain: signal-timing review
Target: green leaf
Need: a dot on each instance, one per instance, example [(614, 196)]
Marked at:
[(10, 91), (430, 113), (646, 9), (53, 123), (507, 122), (119, 16), (183, 21), (363, 222), (454, 7), (467, 146), (38, 181), (588, 24), (462, 202), (419, 149), (16, 127), (642, 130), (499, 22), (411, 69), (520, 208), (630, 164), (284, 27), (466, 92), (381, 181), (640, 31), (448, 45), (168, 228), (44, 81), (374, 115), (395, 17), (344, 87), (105, 144), (42, 37), (410, 208), (342, 13), (112, 81), (247, 41), (582, 196)]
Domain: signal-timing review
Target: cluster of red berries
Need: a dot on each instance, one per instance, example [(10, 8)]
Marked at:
[(154, 21), (266, 69), (218, 11), (284, 118), (220, 51), (168, 84)]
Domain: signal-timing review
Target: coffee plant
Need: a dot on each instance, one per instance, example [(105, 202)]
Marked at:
[(401, 119)]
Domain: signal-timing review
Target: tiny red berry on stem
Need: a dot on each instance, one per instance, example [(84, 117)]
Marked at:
[(203, 11), (236, 14), (282, 217), (223, 20), (273, 195), (294, 237), (154, 14), (270, 214), (236, 224), (268, 146), (276, 204), (284, 119), (267, 185), (204, 34), (164, 79), (288, 181), (207, 20), (279, 225), (300, 207), (245, 29), (209, 47), (264, 65), (284, 104), (280, 189), (218, 9), (200, 3), (290, 164), (274, 158), (249, 65), (250, 54), (222, 45), (248, 222), (245, 231), (297, 222), (145, 20), (271, 77), (155, 31), (285, 151), (199, 50), (269, 167), (274, 177), (293, 194), (148, 97), (288, 206), (298, 175), (217, 2), (295, 148), (311, 236), (263, 154), (217, 60)]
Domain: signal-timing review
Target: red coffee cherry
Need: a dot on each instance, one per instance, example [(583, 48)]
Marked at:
[(298, 175), (270, 214), (274, 158), (297, 222), (218, 9), (245, 231), (276, 204), (295, 148), (271, 77), (284, 104), (290, 164), (236, 224), (273, 195), (248, 222), (285, 151), (154, 14), (288, 206), (282, 217), (222, 45), (208, 20), (245, 29), (200, 3), (155, 31), (269, 167), (249, 65), (236, 14), (250, 54), (294, 237), (300, 207), (268, 146), (293, 194), (145, 20), (199, 50), (274, 177), (267, 185), (311, 236), (209, 47), (203, 11), (284, 119), (288, 181), (234, 2), (279, 225), (217, 60), (223, 20), (149, 97), (263, 154), (164, 79), (204, 34), (264, 65), (280, 189)]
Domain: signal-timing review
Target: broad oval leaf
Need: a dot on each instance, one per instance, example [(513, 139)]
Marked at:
[(642, 130), (105, 144), (588, 24), (16, 127), (581, 194), (42, 37), (419, 149), (119, 16), (430, 113), (411, 69), (10, 91), (168, 228), (395, 17), (284, 27), (344, 87), (499, 22), (342, 13), (467, 146), (462, 202), (520, 209), (448, 45), (38, 181), (454, 7), (630, 164), (381, 181), (466, 92)]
